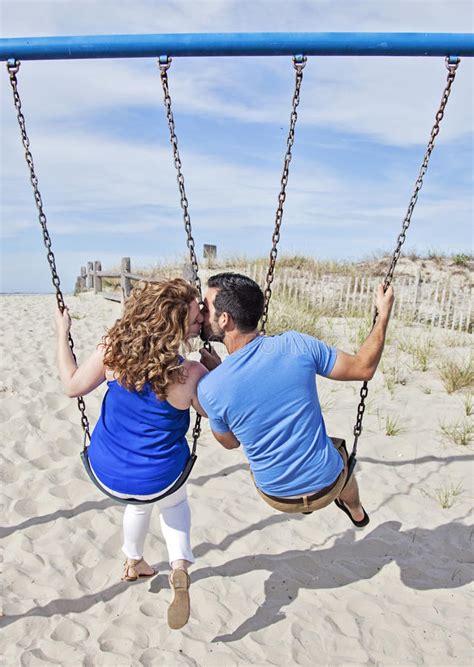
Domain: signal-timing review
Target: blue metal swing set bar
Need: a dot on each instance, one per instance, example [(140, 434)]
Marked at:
[(238, 44)]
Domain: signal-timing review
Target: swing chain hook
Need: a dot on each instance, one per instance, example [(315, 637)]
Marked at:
[(452, 63), (164, 63), (13, 67), (299, 63), (452, 67)]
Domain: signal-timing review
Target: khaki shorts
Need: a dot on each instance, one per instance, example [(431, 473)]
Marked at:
[(314, 501)]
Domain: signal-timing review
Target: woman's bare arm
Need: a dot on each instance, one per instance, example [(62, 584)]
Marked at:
[(77, 380), (198, 372)]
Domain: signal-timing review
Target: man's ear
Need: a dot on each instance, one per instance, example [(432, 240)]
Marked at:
[(226, 321)]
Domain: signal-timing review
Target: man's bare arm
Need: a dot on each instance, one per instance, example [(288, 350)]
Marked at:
[(363, 364), (227, 440)]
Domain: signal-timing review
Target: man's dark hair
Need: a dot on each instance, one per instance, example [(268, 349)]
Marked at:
[(239, 296)]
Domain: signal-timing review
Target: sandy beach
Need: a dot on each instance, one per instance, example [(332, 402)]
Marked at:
[(267, 588)]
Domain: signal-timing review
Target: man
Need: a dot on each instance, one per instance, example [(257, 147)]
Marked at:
[(264, 396)]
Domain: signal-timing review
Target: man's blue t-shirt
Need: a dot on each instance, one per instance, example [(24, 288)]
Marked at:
[(265, 393)]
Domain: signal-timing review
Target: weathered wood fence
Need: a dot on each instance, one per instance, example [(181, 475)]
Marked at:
[(437, 303), (92, 277)]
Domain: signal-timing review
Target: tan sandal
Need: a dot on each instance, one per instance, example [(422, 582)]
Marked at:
[(178, 611), (130, 572)]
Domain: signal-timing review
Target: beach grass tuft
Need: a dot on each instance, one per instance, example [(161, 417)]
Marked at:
[(392, 425), (456, 375), (445, 495), (392, 376), (468, 405), (459, 432)]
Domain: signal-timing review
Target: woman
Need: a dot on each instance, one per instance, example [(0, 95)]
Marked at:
[(138, 447)]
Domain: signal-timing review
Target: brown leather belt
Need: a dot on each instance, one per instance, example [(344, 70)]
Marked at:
[(310, 498)]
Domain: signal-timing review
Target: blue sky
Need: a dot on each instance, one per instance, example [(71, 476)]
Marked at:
[(100, 140)]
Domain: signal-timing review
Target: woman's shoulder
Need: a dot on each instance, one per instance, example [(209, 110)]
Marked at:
[(194, 370), (180, 394)]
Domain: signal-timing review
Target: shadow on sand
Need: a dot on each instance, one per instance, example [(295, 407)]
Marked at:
[(428, 558), (438, 558)]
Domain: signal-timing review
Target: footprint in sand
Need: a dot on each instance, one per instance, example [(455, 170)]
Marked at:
[(70, 631), (26, 508)]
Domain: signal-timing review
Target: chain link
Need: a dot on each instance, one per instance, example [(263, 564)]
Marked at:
[(164, 65), (451, 67), (298, 64), (13, 69)]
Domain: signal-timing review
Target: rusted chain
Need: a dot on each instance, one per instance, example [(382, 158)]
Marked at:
[(13, 68), (164, 64), (299, 63), (451, 67)]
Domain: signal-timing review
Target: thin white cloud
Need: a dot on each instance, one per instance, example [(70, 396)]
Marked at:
[(391, 99), (100, 181), (43, 17)]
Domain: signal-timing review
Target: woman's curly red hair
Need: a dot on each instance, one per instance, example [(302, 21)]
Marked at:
[(143, 345)]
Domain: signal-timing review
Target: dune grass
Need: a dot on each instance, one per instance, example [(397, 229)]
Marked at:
[(421, 352), (287, 314), (445, 495), (458, 432), (392, 426), (468, 405), (456, 374), (392, 375)]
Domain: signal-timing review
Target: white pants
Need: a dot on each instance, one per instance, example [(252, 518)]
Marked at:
[(175, 519)]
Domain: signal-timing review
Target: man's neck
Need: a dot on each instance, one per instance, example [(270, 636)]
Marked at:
[(235, 340)]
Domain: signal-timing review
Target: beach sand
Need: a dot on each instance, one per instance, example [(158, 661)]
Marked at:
[(267, 588)]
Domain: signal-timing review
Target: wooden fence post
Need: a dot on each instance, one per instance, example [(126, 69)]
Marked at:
[(469, 312), (416, 296), (187, 272), (209, 251), (90, 275), (97, 278), (341, 297), (83, 278), (368, 300), (125, 282)]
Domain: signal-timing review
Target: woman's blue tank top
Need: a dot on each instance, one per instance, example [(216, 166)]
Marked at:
[(138, 446)]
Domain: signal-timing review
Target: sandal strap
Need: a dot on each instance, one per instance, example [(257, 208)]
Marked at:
[(130, 565), (173, 585)]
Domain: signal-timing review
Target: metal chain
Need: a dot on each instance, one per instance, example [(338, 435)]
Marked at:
[(164, 67), (13, 68), (299, 63), (452, 67), (164, 64)]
